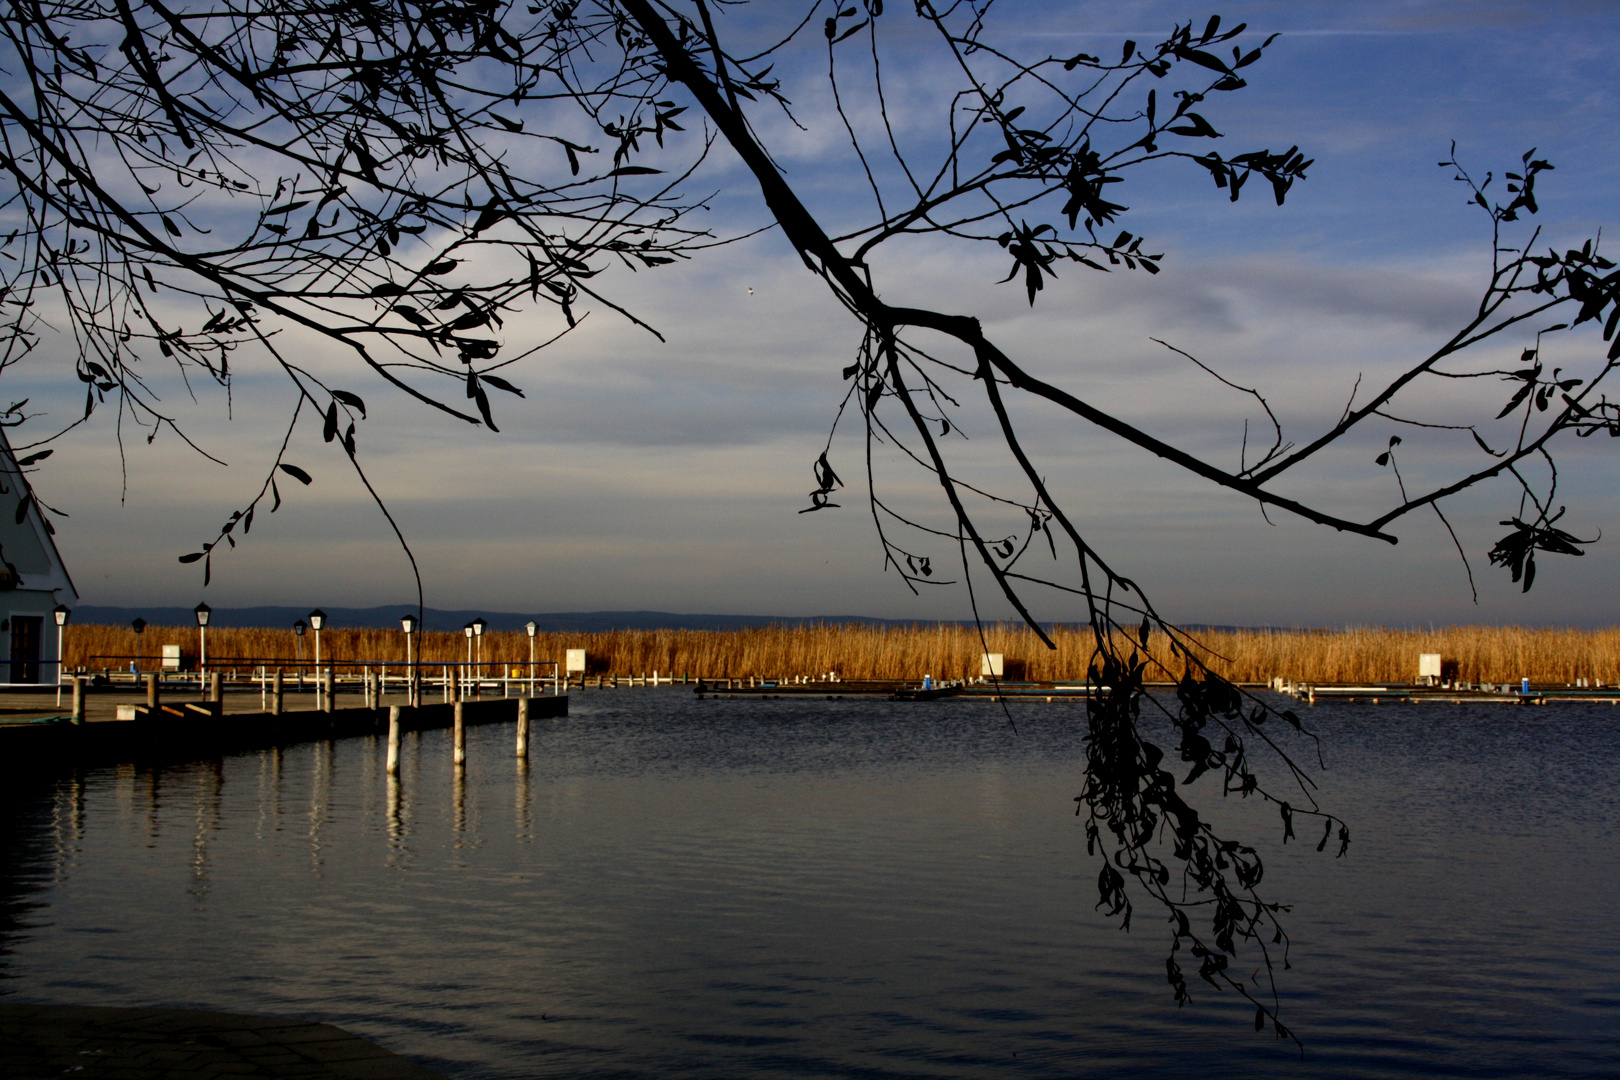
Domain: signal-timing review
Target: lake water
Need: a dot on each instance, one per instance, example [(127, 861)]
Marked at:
[(682, 888)]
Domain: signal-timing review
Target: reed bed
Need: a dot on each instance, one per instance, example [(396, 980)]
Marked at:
[(946, 651)]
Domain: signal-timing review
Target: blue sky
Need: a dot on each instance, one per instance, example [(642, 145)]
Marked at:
[(648, 475)]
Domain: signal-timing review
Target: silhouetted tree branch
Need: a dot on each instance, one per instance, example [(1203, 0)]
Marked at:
[(399, 177)]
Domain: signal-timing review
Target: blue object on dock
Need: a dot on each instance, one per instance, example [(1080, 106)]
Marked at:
[(928, 682), (1524, 685)]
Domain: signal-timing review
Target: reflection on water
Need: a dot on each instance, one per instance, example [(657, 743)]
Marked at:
[(751, 888)]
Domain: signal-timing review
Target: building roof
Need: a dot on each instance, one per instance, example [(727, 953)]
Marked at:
[(27, 540)]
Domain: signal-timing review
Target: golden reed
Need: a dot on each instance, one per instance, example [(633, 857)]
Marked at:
[(1483, 653)]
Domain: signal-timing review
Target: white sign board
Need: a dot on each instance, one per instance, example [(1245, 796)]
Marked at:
[(1429, 665), (991, 664), (171, 658), (576, 662)]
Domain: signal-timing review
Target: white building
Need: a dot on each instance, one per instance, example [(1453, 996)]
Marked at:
[(33, 581)]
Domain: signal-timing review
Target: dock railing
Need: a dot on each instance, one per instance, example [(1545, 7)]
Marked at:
[(451, 680)]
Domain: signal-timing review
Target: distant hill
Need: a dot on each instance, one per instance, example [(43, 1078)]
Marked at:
[(556, 622), (387, 617)]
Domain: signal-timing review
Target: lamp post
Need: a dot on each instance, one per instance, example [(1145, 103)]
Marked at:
[(468, 630), (531, 628), (202, 611), (407, 623), (478, 625), (139, 626), (61, 612), (298, 646), (317, 619)]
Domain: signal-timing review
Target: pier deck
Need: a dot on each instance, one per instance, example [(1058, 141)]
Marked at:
[(188, 728), (1456, 694)]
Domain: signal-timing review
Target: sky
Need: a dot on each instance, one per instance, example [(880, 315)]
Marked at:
[(669, 475)]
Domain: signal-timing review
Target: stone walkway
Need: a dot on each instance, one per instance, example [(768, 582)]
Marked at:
[(92, 1043)]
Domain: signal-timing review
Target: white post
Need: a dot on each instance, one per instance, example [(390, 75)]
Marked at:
[(394, 713)]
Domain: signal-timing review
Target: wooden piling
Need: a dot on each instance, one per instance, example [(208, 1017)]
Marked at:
[(215, 692), (152, 691), (459, 755), (326, 698), (523, 729), (78, 699), (277, 692), (395, 714)]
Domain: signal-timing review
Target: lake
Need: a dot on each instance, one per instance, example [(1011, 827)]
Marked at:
[(752, 888)]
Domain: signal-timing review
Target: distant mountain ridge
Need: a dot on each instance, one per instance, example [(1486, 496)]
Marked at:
[(388, 616), (557, 622)]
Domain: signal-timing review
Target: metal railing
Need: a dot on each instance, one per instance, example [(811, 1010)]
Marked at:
[(455, 680)]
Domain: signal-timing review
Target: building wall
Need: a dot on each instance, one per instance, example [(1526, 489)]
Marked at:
[(26, 603)]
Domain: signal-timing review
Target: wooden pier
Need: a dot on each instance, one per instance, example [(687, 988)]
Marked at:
[(1449, 694), (197, 730), (905, 689)]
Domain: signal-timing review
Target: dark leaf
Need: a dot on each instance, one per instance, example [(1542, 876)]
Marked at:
[(295, 472), (483, 408), (351, 400), (193, 557), (1523, 392), (852, 30), (1204, 59), (488, 216), (501, 384), (470, 320)]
